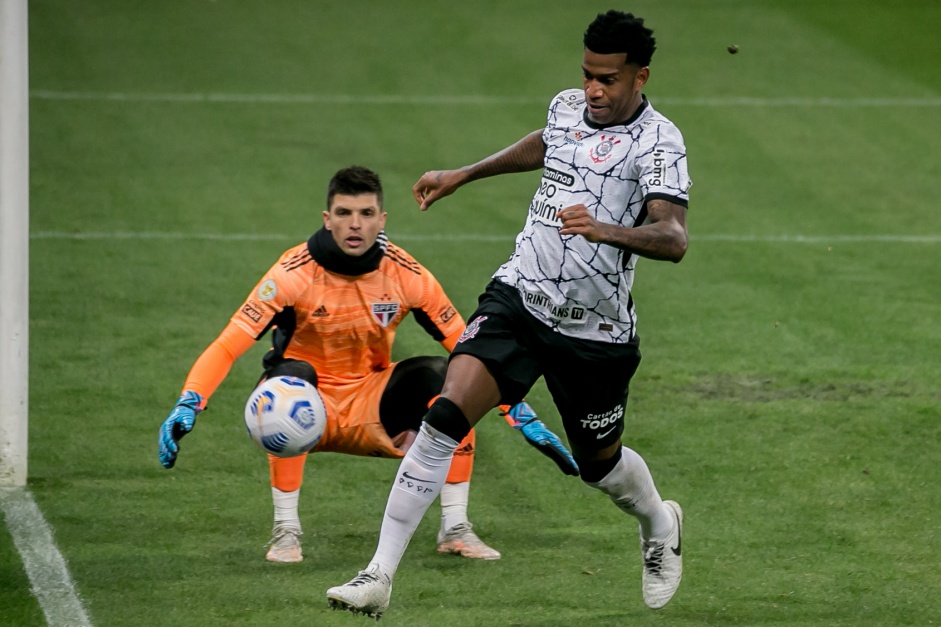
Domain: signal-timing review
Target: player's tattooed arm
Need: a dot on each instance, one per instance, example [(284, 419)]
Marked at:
[(524, 156), (663, 235)]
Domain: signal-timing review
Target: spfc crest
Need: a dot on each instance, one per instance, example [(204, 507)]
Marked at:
[(385, 312)]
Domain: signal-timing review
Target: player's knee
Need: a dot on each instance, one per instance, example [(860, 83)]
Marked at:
[(594, 470), (427, 369), (448, 418), (294, 368), (436, 364)]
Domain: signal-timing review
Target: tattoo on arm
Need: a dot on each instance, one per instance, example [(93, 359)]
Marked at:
[(524, 156), (662, 237)]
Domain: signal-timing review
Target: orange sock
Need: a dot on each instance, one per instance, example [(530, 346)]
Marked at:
[(287, 473), (462, 464)]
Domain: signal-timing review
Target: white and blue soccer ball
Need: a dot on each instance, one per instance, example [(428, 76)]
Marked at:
[(285, 416)]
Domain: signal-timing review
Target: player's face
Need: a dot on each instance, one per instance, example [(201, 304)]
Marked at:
[(612, 86), (354, 222)]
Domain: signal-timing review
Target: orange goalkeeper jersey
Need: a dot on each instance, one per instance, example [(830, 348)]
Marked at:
[(343, 325)]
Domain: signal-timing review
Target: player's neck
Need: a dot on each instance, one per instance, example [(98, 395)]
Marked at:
[(327, 253), (635, 112)]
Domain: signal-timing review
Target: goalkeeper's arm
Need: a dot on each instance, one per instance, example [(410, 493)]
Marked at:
[(522, 418), (209, 371)]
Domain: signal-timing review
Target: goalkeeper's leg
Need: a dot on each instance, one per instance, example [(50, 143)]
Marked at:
[(287, 474), (457, 534)]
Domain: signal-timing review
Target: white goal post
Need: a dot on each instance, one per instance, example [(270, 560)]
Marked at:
[(14, 242)]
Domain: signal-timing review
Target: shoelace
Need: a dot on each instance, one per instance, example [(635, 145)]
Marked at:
[(460, 529), (281, 533), (363, 578), (464, 532), (653, 559)]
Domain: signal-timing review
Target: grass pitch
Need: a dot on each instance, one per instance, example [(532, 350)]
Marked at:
[(788, 397)]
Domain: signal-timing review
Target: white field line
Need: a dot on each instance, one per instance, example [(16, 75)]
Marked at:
[(478, 237), (48, 574), (471, 100)]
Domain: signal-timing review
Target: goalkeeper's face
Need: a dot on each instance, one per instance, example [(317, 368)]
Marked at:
[(355, 221)]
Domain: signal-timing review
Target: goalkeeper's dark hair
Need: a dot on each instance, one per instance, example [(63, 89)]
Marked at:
[(353, 181), (615, 32)]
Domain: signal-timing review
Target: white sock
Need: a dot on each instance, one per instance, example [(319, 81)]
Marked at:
[(454, 498), (418, 482), (630, 486), (285, 507)]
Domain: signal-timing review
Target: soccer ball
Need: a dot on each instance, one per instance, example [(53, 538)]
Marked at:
[(285, 416)]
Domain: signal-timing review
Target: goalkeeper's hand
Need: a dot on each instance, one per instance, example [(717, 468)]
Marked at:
[(522, 418), (180, 422)]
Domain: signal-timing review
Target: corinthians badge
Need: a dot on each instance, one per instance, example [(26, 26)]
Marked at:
[(602, 152)]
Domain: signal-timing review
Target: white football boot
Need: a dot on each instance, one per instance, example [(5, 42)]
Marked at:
[(368, 593), (663, 562), (285, 545), (461, 540)]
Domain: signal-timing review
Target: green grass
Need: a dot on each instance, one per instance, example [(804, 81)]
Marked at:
[(788, 396)]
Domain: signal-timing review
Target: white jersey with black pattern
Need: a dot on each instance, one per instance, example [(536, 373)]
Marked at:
[(578, 288)]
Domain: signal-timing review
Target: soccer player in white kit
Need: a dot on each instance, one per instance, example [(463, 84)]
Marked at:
[(614, 189)]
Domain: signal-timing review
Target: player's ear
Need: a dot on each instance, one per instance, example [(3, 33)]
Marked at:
[(643, 74), (326, 220)]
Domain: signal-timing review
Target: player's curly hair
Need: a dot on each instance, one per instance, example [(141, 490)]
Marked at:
[(615, 31), (352, 181)]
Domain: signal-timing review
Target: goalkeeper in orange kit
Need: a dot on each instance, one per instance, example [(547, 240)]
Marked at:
[(333, 304)]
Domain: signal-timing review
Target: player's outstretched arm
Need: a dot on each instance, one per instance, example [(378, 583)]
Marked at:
[(523, 418), (210, 369), (180, 422), (525, 155)]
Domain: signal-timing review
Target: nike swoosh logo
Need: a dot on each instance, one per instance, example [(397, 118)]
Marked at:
[(679, 542), (601, 435), (411, 478)]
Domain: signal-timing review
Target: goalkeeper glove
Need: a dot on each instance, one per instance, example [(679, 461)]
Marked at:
[(180, 422), (522, 418)]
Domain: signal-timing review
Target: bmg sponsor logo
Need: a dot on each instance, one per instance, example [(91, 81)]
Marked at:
[(658, 176)]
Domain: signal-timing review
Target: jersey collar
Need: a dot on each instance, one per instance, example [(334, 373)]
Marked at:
[(640, 110), (326, 252)]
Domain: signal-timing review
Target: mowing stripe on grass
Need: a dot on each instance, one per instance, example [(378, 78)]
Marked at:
[(482, 237), (48, 575), (471, 100)]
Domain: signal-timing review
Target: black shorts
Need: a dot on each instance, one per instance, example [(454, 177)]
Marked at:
[(588, 380)]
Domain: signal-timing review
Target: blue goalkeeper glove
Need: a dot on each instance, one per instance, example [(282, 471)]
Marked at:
[(180, 422), (522, 417)]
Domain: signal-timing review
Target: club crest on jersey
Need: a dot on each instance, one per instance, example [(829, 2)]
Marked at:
[(602, 152), (385, 312), (471, 329)]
